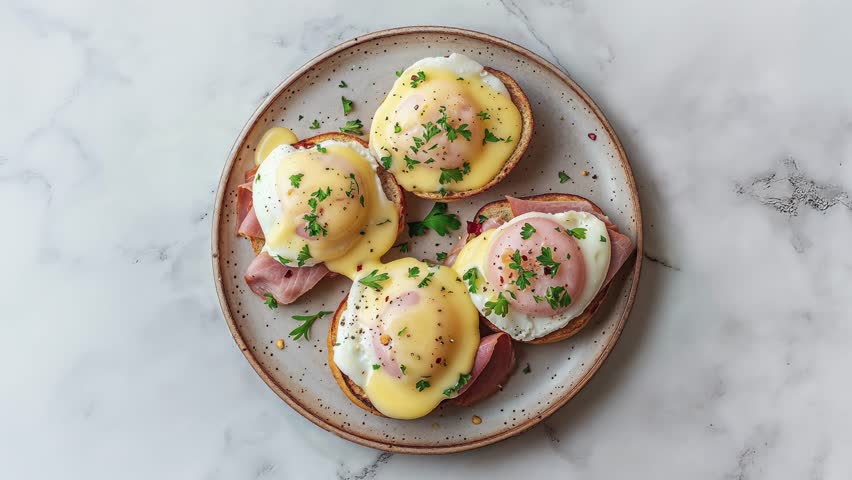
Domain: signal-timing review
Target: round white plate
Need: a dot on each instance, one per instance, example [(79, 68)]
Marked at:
[(571, 135)]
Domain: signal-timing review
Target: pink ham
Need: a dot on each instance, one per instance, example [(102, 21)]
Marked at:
[(473, 228), (247, 223), (286, 284), (622, 247), (494, 361)]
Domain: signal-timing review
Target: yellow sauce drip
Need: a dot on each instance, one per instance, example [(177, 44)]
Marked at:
[(273, 137)]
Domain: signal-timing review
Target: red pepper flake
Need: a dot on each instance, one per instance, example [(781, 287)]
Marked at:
[(593, 136), (501, 278), (387, 298), (359, 267), (524, 258), (474, 228)]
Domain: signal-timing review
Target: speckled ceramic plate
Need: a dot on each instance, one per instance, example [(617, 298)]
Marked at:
[(571, 134)]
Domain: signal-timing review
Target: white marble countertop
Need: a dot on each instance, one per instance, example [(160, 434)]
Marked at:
[(117, 117)]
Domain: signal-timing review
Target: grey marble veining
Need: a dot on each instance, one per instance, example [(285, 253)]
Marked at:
[(117, 117)]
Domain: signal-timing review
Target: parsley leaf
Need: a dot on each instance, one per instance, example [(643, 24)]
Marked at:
[(399, 333), (426, 280), (304, 254), (546, 259), (557, 297), (270, 301), (418, 79), (422, 384), (490, 137), (386, 161), (524, 276), (579, 233), (483, 115), (372, 280), (471, 276), (463, 379), (429, 131), (315, 125), (403, 247), (283, 260), (343, 84), (304, 330), (321, 149), (353, 126), (313, 227), (441, 256), (499, 306), (410, 162), (402, 368), (526, 231), (603, 239), (376, 366), (449, 175), (399, 73), (257, 178), (296, 179), (413, 272), (347, 105), (397, 128), (437, 219), (563, 177)]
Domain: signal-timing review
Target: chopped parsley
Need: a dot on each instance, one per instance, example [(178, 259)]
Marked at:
[(321, 149), (418, 79), (426, 280), (403, 247), (441, 256), (437, 219), (399, 73), (471, 276), (490, 137), (343, 84), (499, 306), (452, 132), (353, 126), (483, 115), (410, 162), (402, 368), (546, 259), (376, 366), (270, 301), (304, 330), (413, 272), (386, 161), (563, 177), (526, 231), (463, 379), (296, 179), (257, 178), (315, 125), (524, 276), (347, 105), (603, 239), (557, 297), (353, 187), (373, 278), (397, 128), (283, 260), (578, 233), (449, 175), (422, 384), (399, 333), (482, 218), (304, 254)]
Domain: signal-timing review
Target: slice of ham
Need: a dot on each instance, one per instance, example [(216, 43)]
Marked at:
[(621, 245), (286, 284), (473, 228), (247, 223), (494, 361)]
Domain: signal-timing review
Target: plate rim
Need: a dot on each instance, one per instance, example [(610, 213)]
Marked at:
[(293, 402)]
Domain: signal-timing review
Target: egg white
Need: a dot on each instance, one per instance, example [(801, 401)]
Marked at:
[(596, 256), (461, 65)]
